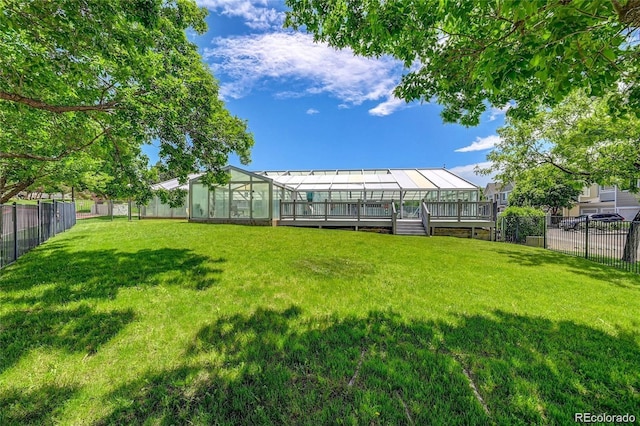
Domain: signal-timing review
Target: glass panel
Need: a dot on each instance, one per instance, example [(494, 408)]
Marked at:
[(199, 196), (240, 196), (237, 176), (431, 196), (260, 200), (221, 202), (212, 203), (164, 210), (276, 196), (320, 196)]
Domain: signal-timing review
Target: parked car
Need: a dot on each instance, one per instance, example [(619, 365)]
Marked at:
[(580, 221)]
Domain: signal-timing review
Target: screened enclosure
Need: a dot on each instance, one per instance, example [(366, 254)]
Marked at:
[(247, 196), (258, 195), (155, 208)]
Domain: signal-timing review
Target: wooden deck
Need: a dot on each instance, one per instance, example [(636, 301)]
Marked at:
[(356, 215)]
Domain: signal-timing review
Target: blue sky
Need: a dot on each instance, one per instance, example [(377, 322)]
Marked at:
[(310, 106)]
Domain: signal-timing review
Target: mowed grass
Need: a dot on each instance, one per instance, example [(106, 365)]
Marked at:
[(164, 322)]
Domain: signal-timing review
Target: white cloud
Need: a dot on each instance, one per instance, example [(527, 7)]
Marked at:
[(494, 113), (257, 14), (244, 63), (481, 144), (468, 172), (389, 106), (312, 111)]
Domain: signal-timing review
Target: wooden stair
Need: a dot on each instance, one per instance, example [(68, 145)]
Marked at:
[(410, 227)]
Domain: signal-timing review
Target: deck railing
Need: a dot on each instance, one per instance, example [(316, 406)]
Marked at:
[(460, 210), (326, 210), (394, 217)]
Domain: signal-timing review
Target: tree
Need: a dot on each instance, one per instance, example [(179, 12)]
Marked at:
[(465, 53), (545, 187), (578, 137), (87, 79)]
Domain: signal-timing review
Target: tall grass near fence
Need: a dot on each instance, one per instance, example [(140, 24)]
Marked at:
[(25, 226)]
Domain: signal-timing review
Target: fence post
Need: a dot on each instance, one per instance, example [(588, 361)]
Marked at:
[(54, 219), (459, 208), (63, 216), (15, 231), (294, 209), (586, 238), (325, 209), (39, 223), (544, 233)]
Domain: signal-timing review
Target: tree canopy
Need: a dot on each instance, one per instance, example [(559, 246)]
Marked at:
[(578, 137), (466, 53), (545, 187), (85, 83)]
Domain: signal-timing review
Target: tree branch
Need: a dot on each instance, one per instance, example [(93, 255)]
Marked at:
[(6, 196), (26, 156), (58, 109)]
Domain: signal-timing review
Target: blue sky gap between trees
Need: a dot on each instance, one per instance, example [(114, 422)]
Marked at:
[(310, 106)]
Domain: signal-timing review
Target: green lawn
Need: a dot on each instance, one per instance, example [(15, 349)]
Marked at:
[(165, 322)]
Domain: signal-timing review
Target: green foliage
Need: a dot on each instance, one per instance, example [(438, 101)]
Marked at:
[(578, 137), (164, 322), (515, 211), (465, 53), (545, 187), (93, 81), (518, 223)]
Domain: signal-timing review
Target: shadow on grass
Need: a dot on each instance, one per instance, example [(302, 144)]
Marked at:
[(274, 367), (577, 265), (75, 331), (100, 274), (35, 407)]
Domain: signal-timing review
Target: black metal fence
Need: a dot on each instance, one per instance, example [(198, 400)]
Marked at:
[(614, 243), (23, 227)]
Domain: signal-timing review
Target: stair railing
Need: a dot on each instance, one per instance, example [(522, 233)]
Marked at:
[(426, 218), (394, 217)]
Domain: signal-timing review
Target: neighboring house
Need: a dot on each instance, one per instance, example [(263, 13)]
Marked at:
[(499, 194), (605, 199)]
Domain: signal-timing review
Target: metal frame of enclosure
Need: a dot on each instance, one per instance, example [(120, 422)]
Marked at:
[(340, 198), (155, 208), (406, 187), (247, 198)]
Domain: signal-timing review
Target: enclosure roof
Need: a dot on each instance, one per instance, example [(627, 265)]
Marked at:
[(368, 180), (174, 184)]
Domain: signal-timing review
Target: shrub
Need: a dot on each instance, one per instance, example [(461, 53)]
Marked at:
[(517, 223)]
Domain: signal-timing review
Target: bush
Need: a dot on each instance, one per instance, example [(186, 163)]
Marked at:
[(518, 223)]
